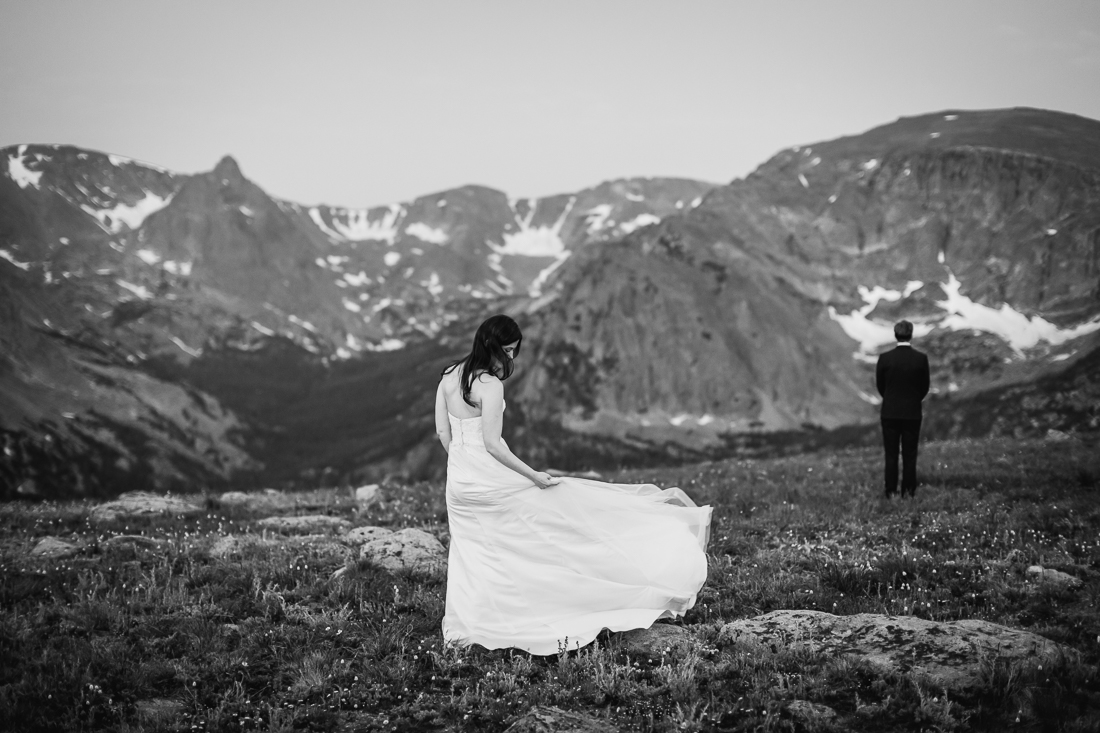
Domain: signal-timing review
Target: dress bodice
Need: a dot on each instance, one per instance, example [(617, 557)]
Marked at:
[(466, 431)]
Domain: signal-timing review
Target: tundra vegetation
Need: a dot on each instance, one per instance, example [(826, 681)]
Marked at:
[(164, 631)]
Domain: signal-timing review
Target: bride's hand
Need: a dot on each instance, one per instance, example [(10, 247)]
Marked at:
[(545, 480)]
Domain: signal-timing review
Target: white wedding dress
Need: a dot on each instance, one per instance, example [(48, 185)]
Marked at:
[(547, 569)]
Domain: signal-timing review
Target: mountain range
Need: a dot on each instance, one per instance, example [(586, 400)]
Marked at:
[(178, 331)]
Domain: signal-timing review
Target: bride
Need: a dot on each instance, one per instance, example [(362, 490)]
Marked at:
[(542, 563)]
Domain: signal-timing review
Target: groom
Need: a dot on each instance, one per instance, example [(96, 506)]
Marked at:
[(902, 378)]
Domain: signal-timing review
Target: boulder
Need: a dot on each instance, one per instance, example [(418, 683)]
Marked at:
[(366, 496), (266, 500), (406, 549), (1055, 578), (135, 541), (158, 710), (948, 654), (549, 719), (659, 640), (361, 535), (231, 545), (54, 549), (319, 544), (308, 523), (143, 504), (810, 713)]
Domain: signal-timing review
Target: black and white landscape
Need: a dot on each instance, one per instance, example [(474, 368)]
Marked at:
[(169, 331)]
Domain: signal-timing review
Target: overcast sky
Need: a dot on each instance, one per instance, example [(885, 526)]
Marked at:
[(364, 103)]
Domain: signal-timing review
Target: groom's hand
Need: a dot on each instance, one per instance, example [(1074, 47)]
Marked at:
[(545, 480)]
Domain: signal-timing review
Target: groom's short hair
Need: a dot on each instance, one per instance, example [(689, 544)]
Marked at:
[(903, 331)]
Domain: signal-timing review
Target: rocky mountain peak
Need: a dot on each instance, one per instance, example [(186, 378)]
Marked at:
[(227, 169)]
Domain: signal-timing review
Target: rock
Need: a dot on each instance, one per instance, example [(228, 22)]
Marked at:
[(320, 544), (360, 535), (230, 545), (234, 498), (1057, 436), (949, 654), (659, 640), (549, 719), (158, 710), (27, 488), (143, 504), (411, 549), (1053, 577), (308, 523), (135, 541), (267, 500), (810, 712), (54, 549), (365, 496)]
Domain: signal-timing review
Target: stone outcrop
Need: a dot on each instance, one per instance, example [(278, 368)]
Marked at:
[(306, 524), (54, 549), (1057, 578), (133, 541), (659, 641), (143, 504), (406, 549), (361, 535), (948, 654), (810, 713), (550, 719), (367, 496), (230, 545)]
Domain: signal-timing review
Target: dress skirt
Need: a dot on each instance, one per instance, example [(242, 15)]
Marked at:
[(547, 569)]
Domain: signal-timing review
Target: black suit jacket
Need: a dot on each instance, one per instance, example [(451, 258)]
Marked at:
[(902, 378)]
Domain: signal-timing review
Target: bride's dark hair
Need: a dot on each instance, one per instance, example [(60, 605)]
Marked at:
[(489, 342)]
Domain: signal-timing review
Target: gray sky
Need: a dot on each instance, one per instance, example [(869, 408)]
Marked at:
[(364, 103)]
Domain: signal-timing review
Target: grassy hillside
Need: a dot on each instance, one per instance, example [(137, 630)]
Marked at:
[(173, 638)]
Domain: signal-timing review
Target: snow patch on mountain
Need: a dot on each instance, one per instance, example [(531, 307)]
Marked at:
[(356, 280), (541, 279), (262, 329), (8, 256), (597, 217), (19, 172), (129, 216), (425, 233), (640, 220), (148, 256), (532, 241), (1014, 327), (196, 353), (139, 290), (390, 344), (871, 333), (360, 227), (433, 285), (304, 324), (177, 268), (961, 314)]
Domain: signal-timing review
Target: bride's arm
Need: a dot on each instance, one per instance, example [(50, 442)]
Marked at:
[(442, 422), (491, 391)]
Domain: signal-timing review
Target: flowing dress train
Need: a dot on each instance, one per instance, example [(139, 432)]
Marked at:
[(548, 569)]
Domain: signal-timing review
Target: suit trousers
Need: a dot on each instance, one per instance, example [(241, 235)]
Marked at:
[(907, 433)]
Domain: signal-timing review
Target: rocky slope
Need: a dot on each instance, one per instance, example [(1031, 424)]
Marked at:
[(762, 308), (181, 330), (113, 265)]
